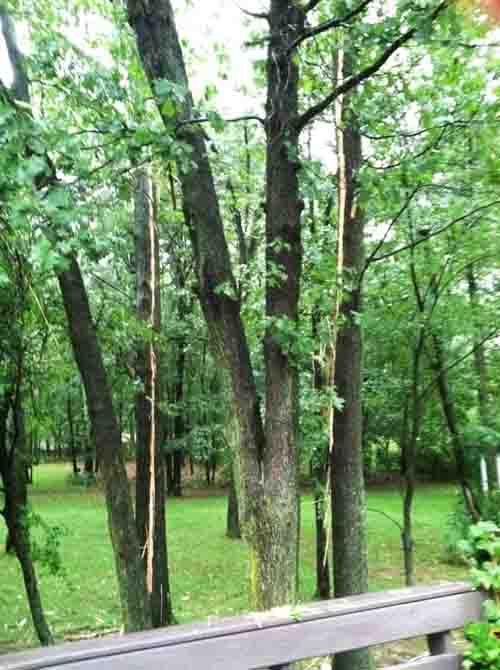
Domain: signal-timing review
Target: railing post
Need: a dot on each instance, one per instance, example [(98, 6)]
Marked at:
[(441, 643)]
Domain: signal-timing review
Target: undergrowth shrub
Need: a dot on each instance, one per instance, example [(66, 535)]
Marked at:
[(482, 552)]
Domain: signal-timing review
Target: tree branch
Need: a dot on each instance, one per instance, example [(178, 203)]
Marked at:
[(254, 15), (311, 5), (368, 71), (328, 25), (490, 336), (236, 119), (380, 243), (412, 245)]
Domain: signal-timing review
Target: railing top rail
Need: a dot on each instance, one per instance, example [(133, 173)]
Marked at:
[(435, 607)]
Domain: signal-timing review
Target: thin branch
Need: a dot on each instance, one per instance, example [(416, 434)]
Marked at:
[(368, 71), (110, 285), (387, 516), (254, 15), (490, 336), (328, 25), (412, 245), (236, 119), (422, 131), (380, 243)]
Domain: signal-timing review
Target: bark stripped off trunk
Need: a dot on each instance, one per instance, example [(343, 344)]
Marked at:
[(482, 378), (269, 494), (350, 561), (150, 480)]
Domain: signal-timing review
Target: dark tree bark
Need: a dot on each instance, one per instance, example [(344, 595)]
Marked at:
[(411, 428), (450, 414), (150, 478), (72, 437), (180, 419), (13, 475), (350, 561), (87, 352), (233, 529), (320, 478)]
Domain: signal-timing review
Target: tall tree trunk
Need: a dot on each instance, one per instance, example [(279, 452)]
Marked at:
[(180, 419), (88, 356), (482, 377), (320, 459), (438, 364), (19, 530), (350, 562), (150, 479), (274, 556), (268, 466), (13, 473), (450, 414), (411, 429), (320, 482)]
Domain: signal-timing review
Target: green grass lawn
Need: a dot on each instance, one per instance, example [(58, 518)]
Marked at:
[(208, 571)]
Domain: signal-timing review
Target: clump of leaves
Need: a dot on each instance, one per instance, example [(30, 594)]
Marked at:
[(45, 542), (482, 551)]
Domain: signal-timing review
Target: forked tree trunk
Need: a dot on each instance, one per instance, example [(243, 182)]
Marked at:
[(150, 479), (268, 466)]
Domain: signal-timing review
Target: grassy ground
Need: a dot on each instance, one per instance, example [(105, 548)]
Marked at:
[(208, 571)]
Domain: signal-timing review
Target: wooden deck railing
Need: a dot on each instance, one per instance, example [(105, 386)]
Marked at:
[(279, 636)]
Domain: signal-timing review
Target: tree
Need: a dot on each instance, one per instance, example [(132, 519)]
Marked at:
[(268, 454), (150, 473)]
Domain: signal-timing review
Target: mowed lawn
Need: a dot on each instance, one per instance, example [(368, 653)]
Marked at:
[(208, 571)]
